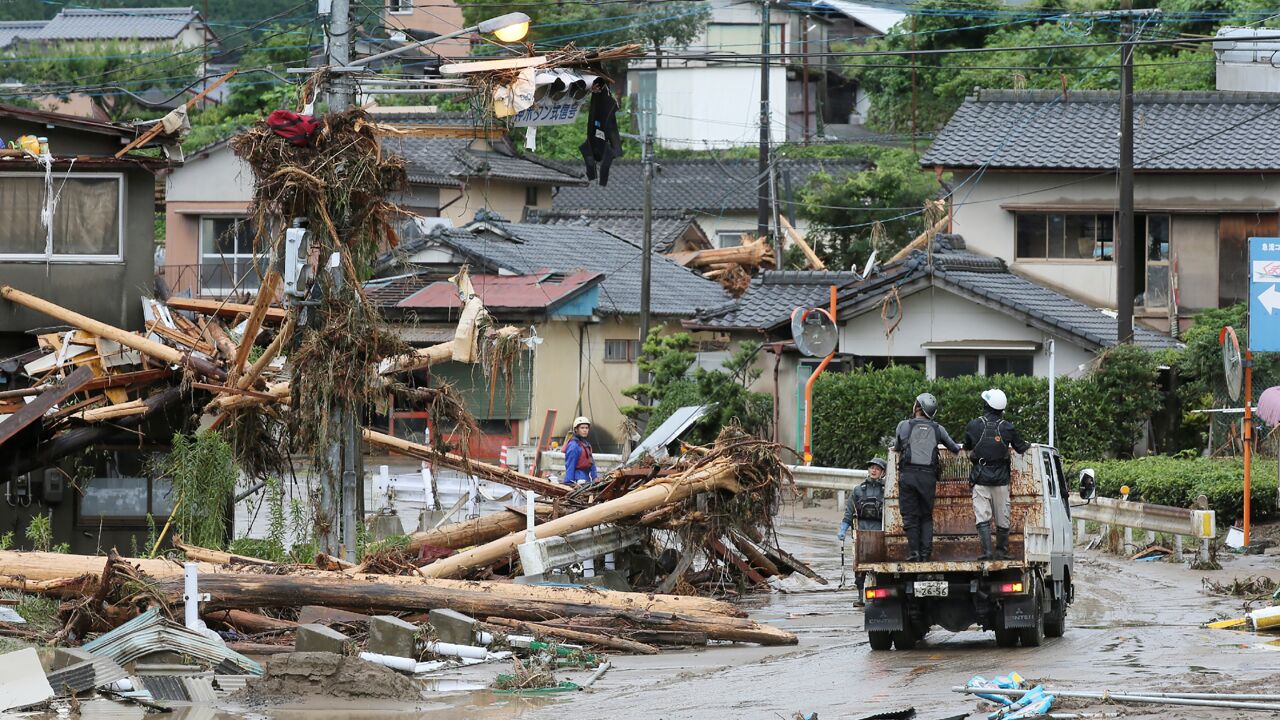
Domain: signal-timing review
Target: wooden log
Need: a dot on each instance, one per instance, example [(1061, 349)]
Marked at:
[(36, 566), (70, 587), (266, 294), (36, 409), (815, 262), (243, 591), (753, 553), (217, 557), (217, 334), (719, 548), (222, 309), (476, 531), (921, 240), (630, 646), (717, 475), (485, 471), (278, 392), (418, 359), (180, 338), (147, 347), (259, 365), (112, 412), (751, 254), (250, 623)]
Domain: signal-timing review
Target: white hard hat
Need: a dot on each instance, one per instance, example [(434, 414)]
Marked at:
[(582, 420), (995, 399)]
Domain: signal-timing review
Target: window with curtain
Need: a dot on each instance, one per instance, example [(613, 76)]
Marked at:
[(1066, 236), (87, 218), (741, 38)]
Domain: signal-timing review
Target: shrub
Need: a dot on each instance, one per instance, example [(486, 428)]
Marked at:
[(1100, 415), (1177, 482)]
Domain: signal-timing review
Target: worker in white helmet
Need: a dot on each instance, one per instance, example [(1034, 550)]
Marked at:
[(579, 464), (988, 440)]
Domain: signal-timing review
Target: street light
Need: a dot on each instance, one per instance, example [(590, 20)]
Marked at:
[(507, 28)]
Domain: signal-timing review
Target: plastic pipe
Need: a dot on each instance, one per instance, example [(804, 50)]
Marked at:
[(191, 596), (462, 651), (403, 664), (1154, 699)]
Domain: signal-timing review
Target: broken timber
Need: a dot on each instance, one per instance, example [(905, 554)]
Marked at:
[(484, 471), (36, 409)]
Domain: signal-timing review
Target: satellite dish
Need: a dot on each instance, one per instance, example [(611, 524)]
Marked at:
[(814, 331), (1232, 366)]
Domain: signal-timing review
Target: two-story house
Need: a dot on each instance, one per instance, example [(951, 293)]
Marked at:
[(1034, 178)]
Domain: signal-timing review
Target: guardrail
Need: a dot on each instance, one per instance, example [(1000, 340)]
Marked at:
[(1199, 525)]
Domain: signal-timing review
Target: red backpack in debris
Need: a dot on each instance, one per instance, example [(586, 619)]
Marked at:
[(297, 129)]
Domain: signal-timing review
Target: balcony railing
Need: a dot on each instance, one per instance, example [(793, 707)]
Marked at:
[(237, 279)]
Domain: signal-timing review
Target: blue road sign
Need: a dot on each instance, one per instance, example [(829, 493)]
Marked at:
[(1264, 295)]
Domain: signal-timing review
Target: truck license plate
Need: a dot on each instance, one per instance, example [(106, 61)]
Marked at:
[(931, 588)]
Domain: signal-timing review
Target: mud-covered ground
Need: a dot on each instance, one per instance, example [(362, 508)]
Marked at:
[(1134, 625)]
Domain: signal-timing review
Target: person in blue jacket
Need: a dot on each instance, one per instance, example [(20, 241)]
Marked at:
[(579, 464)]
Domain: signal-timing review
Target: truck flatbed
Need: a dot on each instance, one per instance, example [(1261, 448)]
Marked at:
[(982, 567)]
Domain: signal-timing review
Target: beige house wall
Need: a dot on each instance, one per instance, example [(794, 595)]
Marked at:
[(505, 198), (437, 16)]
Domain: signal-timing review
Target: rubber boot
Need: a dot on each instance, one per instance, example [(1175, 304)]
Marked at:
[(913, 542), (984, 536), (1002, 543)]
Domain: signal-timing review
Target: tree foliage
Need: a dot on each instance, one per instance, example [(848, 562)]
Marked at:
[(843, 209), (943, 80), (668, 360)]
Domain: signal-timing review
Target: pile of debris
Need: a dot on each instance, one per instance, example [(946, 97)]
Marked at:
[(732, 267)]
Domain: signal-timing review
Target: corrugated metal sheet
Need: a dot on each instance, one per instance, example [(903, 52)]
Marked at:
[(149, 633), (86, 675)]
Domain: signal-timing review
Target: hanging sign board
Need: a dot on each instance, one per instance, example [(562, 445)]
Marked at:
[(549, 112), (1264, 295)]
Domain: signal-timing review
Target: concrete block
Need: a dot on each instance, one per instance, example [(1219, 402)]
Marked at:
[(384, 526), (318, 638), (427, 519), (389, 635), (452, 627), (320, 614)]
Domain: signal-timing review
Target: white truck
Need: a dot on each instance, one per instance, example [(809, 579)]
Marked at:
[(1023, 599)]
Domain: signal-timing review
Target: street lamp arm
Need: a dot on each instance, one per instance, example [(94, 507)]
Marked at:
[(492, 25)]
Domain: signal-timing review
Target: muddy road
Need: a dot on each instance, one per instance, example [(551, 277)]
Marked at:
[(1134, 625)]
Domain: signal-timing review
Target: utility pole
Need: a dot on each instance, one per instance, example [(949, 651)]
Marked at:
[(762, 207), (804, 63), (646, 248), (1125, 241), (340, 494)]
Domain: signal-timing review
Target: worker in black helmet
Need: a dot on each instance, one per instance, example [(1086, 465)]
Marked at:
[(919, 468)]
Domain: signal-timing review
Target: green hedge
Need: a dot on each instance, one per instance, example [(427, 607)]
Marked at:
[(1177, 482), (1100, 415)]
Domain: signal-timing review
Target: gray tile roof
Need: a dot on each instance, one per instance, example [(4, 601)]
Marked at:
[(668, 226), (11, 30), (446, 162), (990, 280), (1207, 131), (771, 297), (524, 248), (704, 185), (162, 23)]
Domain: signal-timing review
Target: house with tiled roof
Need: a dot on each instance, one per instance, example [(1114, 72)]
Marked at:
[(183, 27), (723, 195), (589, 340), (209, 235), (1036, 185), (674, 231)]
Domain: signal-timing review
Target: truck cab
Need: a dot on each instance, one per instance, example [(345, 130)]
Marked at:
[(1022, 600)]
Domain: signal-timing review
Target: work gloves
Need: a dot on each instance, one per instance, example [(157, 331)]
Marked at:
[(844, 530)]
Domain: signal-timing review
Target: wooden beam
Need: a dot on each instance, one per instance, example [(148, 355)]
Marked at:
[(486, 65), (266, 294), (440, 131), (36, 409), (485, 471), (206, 306), (156, 129), (815, 262)]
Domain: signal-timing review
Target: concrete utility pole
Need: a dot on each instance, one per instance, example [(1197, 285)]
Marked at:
[(1125, 241), (763, 205), (340, 496), (646, 248)]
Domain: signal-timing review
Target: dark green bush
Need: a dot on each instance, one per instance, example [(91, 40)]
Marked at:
[(1177, 481), (1099, 415)]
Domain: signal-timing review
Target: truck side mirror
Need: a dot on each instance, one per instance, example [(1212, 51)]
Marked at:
[(1088, 485)]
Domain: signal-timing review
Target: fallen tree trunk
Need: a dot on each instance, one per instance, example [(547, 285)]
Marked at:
[(249, 623), (216, 557), (37, 566), (718, 475), (418, 359), (576, 635), (476, 530), (484, 471), (244, 590)]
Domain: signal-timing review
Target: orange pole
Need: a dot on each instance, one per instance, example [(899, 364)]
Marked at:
[(1248, 436), (808, 389)]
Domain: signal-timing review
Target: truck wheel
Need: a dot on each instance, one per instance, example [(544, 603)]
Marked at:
[(1055, 622), (1006, 638), (880, 639), (1033, 636)]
